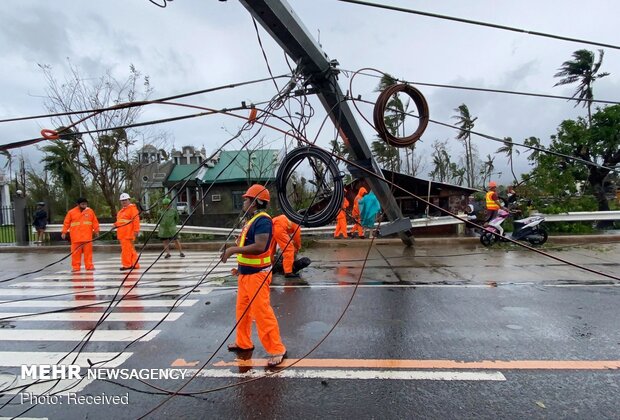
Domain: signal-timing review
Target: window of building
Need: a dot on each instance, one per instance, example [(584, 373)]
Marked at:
[(237, 199)]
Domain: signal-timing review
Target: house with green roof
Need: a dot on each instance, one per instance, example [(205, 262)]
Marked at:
[(211, 191)]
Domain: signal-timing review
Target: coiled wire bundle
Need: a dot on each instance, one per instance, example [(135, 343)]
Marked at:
[(381, 106), (330, 185)]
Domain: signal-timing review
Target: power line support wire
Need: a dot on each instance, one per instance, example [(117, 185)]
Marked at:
[(278, 19)]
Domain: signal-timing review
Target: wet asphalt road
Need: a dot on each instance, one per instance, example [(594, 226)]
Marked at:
[(431, 332)]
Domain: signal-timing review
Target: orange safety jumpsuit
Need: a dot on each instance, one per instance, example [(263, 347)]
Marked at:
[(341, 220), (128, 224), (254, 280), (283, 230), (355, 213), (81, 224)]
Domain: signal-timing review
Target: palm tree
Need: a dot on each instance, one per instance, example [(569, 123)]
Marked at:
[(534, 143), (582, 69), (59, 160), (466, 124), (387, 156), (487, 169), (9, 160), (394, 119), (508, 149)]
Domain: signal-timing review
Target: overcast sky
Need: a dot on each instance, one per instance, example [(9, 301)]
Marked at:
[(197, 44)]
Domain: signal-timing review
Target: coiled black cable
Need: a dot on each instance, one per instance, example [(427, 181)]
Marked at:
[(322, 216), (381, 106)]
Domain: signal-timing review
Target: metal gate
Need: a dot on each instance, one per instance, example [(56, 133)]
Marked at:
[(7, 223)]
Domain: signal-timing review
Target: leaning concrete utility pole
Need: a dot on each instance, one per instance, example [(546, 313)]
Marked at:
[(277, 18)]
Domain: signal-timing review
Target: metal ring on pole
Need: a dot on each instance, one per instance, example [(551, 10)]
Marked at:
[(379, 115), (325, 214)]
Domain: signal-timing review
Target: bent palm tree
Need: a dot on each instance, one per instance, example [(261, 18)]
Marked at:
[(582, 69), (508, 149), (466, 123)]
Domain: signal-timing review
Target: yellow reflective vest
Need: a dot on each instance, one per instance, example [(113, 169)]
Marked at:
[(262, 260), (491, 204)]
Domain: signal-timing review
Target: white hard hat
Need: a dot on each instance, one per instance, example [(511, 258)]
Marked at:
[(125, 196)]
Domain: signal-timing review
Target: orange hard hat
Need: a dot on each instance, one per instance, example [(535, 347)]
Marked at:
[(492, 184), (257, 191)]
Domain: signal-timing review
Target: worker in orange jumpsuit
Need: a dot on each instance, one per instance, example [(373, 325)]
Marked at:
[(287, 235), (81, 222), (357, 229), (253, 250), (341, 220), (127, 231)]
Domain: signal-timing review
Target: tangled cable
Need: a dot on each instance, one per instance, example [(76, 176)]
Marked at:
[(336, 193), (381, 106)]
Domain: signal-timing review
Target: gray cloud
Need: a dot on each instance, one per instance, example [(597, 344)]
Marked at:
[(194, 44)]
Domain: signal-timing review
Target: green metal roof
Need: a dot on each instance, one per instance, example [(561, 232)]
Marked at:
[(181, 172), (233, 166)]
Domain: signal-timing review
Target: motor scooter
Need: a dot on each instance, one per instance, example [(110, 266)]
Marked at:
[(530, 229)]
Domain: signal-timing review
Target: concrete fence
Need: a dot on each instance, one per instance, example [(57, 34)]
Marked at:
[(416, 223)]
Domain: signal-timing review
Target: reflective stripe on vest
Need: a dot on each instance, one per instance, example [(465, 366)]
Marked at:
[(79, 223), (491, 204), (259, 260)]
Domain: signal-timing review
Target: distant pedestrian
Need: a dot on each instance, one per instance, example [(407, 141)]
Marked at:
[(39, 222), (169, 219), (81, 223), (127, 231)]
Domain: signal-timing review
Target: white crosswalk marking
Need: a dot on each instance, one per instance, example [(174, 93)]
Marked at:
[(136, 275), (56, 311), (104, 291), (116, 283), (126, 303), (90, 316), (76, 335)]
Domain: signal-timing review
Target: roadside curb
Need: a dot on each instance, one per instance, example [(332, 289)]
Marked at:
[(473, 240), (314, 243)]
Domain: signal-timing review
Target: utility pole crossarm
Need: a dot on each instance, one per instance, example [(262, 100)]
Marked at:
[(280, 21)]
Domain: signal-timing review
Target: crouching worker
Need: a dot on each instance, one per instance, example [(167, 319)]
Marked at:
[(254, 267), (287, 235)]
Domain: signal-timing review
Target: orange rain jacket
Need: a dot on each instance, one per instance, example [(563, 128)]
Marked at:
[(81, 224), (341, 220), (127, 222), (355, 213)]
